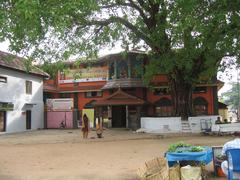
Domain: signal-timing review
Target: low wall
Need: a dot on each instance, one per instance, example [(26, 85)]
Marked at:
[(161, 124), (231, 127), (195, 122), (54, 119), (173, 124)]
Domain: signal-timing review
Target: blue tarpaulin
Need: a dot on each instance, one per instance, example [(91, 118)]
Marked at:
[(204, 156)]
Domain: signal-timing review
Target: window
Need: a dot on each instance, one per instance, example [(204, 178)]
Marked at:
[(161, 91), (111, 70), (62, 75), (28, 87), (164, 107), (200, 89), (136, 68), (3, 79), (65, 95), (200, 106), (93, 94), (122, 71)]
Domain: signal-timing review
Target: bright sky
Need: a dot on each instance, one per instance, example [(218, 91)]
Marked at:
[(229, 76)]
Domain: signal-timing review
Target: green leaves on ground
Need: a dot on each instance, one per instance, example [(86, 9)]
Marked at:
[(183, 147)]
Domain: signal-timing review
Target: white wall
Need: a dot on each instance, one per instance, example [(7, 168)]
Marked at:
[(231, 127), (195, 122), (14, 91), (161, 124)]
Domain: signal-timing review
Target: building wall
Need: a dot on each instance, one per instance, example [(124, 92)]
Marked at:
[(82, 100), (208, 96), (223, 113), (14, 91), (148, 94)]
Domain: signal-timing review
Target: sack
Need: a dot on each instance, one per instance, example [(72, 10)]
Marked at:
[(191, 173), (156, 169), (174, 172)]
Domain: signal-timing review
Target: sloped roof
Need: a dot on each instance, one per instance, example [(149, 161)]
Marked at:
[(120, 98), (13, 62), (222, 105), (49, 88)]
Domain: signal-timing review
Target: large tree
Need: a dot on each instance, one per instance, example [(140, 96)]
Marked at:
[(186, 39)]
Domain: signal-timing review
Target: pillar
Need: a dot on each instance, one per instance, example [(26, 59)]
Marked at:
[(127, 115)]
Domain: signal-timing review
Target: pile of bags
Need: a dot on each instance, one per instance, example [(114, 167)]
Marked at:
[(157, 169)]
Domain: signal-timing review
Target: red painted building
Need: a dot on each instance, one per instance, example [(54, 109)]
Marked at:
[(113, 86)]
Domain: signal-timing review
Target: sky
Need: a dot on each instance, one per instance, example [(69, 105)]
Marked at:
[(229, 76)]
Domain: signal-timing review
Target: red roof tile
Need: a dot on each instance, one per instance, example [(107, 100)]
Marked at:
[(120, 98), (17, 63)]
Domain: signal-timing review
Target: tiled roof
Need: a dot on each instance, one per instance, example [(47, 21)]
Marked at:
[(49, 88), (120, 98), (17, 63), (80, 88)]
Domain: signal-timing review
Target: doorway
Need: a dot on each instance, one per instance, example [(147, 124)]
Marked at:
[(118, 116), (2, 121), (28, 119)]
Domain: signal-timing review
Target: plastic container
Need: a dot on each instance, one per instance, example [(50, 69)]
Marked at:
[(220, 172)]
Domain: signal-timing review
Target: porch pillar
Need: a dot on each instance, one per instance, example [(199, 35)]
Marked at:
[(138, 124), (109, 116), (127, 122), (99, 115)]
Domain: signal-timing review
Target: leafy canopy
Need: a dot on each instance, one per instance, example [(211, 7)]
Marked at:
[(232, 97), (186, 38)]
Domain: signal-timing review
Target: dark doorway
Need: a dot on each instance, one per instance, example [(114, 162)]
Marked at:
[(2, 121), (28, 119), (118, 116)]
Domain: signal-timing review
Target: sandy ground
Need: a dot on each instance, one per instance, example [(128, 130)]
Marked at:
[(64, 155)]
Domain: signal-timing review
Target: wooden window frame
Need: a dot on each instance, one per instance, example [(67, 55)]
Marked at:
[(97, 96), (3, 79), (28, 87)]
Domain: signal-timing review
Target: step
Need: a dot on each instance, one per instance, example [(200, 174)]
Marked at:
[(186, 127)]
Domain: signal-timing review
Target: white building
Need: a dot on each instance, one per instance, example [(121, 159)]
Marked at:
[(21, 95)]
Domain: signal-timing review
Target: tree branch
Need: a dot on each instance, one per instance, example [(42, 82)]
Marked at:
[(131, 4), (124, 22)]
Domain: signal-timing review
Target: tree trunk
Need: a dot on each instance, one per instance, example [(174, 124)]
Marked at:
[(181, 93)]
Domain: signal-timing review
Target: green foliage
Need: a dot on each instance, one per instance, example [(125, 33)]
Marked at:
[(183, 147), (232, 97), (185, 39), (196, 149), (173, 147), (53, 68)]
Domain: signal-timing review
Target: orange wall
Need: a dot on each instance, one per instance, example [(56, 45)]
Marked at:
[(208, 97), (159, 78), (150, 97), (82, 100), (153, 98)]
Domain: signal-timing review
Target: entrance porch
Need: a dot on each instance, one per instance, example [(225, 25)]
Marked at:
[(123, 110)]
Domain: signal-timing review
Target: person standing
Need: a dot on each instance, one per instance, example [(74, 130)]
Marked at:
[(85, 127), (99, 129)]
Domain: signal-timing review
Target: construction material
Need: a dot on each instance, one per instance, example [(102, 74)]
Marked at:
[(156, 169), (174, 172), (191, 173)]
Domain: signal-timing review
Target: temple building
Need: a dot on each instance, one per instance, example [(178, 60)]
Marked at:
[(112, 88)]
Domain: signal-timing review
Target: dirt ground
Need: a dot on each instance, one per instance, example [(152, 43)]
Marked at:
[(64, 155)]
